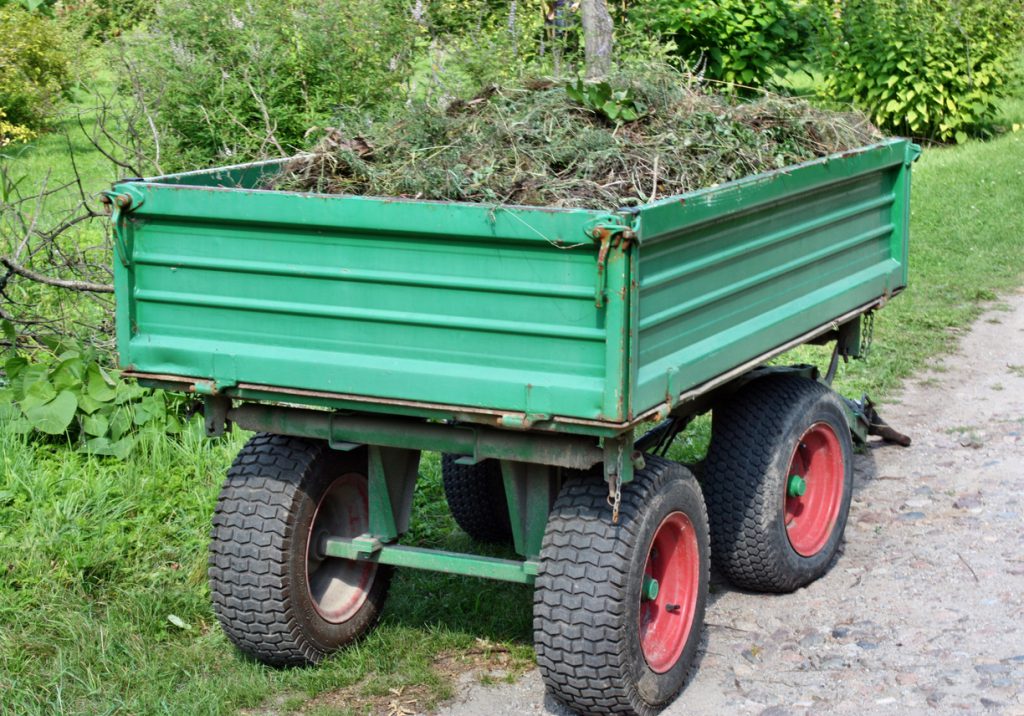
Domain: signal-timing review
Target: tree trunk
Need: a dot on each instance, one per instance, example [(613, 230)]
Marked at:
[(597, 38)]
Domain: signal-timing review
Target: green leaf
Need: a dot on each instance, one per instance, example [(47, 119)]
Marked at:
[(8, 330), (96, 425), (120, 449), (55, 416), (99, 385), (120, 422), (611, 110), (575, 92), (68, 374), (14, 366), (38, 393), (89, 405)]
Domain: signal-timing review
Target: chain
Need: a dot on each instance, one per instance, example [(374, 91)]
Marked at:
[(615, 500), (867, 335)]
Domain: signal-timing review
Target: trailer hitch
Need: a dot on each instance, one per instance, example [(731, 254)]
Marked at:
[(865, 420)]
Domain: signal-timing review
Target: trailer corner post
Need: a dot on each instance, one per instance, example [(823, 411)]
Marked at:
[(620, 460)]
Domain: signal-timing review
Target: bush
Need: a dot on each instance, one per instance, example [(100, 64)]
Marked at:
[(733, 41), (104, 19), (231, 80), (924, 68), (67, 391), (35, 71)]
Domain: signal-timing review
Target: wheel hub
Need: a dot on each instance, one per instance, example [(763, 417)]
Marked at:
[(669, 592), (339, 587), (814, 490)]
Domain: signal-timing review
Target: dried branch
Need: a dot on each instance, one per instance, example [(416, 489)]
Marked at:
[(58, 282)]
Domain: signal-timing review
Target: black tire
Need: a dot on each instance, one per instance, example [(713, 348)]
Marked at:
[(587, 605), (476, 498), (262, 569), (755, 437)]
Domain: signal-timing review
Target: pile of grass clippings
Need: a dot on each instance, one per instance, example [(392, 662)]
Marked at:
[(536, 146)]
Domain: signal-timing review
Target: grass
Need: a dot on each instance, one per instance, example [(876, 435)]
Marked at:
[(98, 554)]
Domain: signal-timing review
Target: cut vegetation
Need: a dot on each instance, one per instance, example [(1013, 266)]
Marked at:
[(598, 146)]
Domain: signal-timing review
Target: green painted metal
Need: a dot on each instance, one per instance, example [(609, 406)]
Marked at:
[(383, 525), (480, 442), (470, 565), (530, 491), (508, 316), (796, 486), (729, 273)]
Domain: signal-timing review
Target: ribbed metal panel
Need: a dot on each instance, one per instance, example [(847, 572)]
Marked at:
[(459, 317), (742, 269)]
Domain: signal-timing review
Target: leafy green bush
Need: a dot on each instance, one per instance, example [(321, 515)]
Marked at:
[(63, 390), (923, 68), (740, 42), (104, 19), (238, 79), (35, 70)]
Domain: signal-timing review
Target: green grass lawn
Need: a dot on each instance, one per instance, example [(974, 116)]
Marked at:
[(98, 554)]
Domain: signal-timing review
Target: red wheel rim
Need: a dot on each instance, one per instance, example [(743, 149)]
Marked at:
[(338, 587), (667, 611), (811, 517)]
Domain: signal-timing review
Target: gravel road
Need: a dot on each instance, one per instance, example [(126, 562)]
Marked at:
[(923, 612)]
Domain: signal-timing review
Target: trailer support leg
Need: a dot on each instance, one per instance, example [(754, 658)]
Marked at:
[(531, 491), (392, 476)]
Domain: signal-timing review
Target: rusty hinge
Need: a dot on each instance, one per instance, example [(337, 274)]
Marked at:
[(609, 233)]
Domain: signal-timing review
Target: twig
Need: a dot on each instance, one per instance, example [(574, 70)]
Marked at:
[(969, 567), (58, 282)]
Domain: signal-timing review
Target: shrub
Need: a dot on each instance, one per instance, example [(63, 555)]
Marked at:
[(67, 391), (35, 70), (239, 79), (735, 41), (924, 68), (11, 133), (103, 19)]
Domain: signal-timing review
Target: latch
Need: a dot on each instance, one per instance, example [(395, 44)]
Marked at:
[(609, 233), (117, 203)]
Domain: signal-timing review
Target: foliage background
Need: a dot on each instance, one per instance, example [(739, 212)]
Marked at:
[(931, 69)]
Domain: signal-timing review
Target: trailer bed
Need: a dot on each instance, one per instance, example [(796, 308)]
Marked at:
[(573, 320)]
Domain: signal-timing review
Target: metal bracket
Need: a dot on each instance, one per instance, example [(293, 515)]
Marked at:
[(335, 444), (215, 414), (620, 460), (608, 231)]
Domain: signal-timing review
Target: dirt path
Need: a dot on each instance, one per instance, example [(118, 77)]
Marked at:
[(924, 610)]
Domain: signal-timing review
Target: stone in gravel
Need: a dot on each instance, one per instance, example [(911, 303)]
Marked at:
[(867, 645), (1019, 657), (750, 655), (970, 441), (872, 518), (990, 704), (991, 668), (968, 501), (910, 516), (812, 639), (840, 632)]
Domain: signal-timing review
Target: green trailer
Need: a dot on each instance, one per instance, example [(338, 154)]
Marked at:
[(551, 356)]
